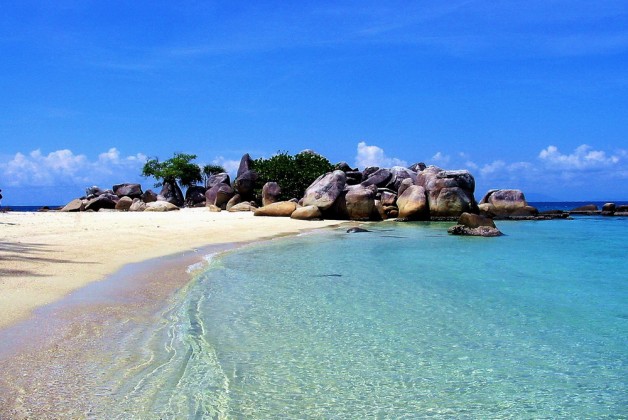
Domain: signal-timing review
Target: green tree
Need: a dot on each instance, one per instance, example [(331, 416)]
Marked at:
[(293, 173), (178, 168), (209, 170)]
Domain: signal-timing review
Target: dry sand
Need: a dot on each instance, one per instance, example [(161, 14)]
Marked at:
[(45, 256)]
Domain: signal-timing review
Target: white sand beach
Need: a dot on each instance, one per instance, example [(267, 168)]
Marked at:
[(46, 255)]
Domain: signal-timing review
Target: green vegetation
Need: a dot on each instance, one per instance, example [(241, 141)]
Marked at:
[(293, 173), (209, 170), (178, 168)]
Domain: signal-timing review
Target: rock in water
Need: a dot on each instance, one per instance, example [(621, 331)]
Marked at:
[(506, 203), (325, 190), (357, 230), (412, 204), (449, 193), (360, 203), (474, 225)]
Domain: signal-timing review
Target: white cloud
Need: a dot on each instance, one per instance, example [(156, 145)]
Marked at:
[(375, 156), (230, 165), (63, 167), (493, 167), (441, 159), (583, 157)]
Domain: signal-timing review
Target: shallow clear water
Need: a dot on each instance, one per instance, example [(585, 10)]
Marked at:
[(402, 322)]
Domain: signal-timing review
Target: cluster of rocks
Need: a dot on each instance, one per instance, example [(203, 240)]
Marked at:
[(414, 193), (608, 209), (122, 197), (418, 192)]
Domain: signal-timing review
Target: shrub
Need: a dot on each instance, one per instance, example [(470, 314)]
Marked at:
[(293, 173)]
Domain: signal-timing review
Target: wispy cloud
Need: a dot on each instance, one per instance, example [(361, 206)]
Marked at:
[(374, 156)]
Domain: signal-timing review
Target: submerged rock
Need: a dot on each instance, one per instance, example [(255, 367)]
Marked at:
[(357, 230)]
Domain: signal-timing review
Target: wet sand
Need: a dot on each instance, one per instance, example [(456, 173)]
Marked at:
[(45, 256), (64, 326)]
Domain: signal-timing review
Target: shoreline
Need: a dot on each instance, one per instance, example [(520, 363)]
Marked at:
[(61, 342), (46, 256)]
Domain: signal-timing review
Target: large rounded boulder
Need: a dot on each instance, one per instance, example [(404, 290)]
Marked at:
[(195, 196), (506, 203), (412, 204), (221, 178), (128, 190), (307, 213), (160, 206), (360, 203), (219, 195), (103, 201), (474, 225), (270, 193), (74, 205), (279, 209), (398, 174), (325, 190), (449, 193), (379, 178), (124, 204)]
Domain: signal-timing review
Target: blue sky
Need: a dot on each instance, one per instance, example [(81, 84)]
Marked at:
[(525, 94)]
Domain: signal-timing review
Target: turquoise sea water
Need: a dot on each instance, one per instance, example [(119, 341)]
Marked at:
[(402, 322)]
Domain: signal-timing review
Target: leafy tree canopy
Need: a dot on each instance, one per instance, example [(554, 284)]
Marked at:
[(209, 170), (178, 168), (293, 173)]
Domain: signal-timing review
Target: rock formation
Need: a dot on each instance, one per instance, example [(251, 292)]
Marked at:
[(474, 225), (506, 204)]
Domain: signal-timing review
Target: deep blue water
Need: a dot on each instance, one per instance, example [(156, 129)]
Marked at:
[(402, 322)]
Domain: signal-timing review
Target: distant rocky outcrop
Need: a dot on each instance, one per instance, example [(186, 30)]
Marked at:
[(506, 204)]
